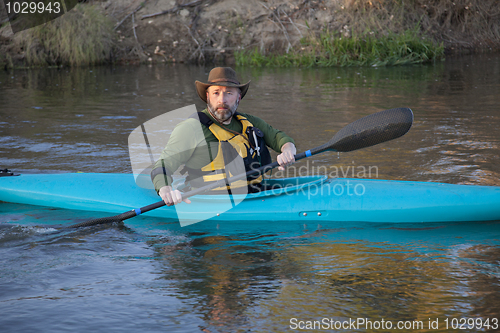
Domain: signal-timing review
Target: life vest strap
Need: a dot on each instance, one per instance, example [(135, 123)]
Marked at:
[(203, 118)]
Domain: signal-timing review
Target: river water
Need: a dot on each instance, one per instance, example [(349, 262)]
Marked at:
[(152, 275)]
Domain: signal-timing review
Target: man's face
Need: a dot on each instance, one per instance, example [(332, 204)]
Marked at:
[(223, 101)]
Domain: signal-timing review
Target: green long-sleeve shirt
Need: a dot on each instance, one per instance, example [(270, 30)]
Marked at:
[(189, 142)]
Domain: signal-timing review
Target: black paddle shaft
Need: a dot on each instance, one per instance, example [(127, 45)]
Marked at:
[(365, 132)]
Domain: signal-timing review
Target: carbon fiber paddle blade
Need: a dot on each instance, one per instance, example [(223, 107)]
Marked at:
[(373, 129)]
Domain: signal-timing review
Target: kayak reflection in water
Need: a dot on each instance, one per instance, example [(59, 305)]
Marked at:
[(229, 143)]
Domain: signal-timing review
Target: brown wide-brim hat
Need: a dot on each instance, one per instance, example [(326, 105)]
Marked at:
[(221, 76)]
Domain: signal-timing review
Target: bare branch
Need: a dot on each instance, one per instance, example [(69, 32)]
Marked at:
[(133, 12)]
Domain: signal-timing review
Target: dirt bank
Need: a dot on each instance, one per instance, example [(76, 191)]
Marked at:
[(212, 30)]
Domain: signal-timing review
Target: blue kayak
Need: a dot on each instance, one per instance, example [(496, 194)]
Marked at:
[(311, 198)]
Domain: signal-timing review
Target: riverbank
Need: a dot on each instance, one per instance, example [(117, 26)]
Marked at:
[(222, 31)]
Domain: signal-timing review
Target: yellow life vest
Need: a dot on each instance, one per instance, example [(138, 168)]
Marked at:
[(248, 145)]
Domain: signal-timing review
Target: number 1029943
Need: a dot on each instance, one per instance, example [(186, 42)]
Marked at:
[(32, 7), (471, 323)]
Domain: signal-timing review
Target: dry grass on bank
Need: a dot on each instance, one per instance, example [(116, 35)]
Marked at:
[(83, 36), (479, 20), (457, 23)]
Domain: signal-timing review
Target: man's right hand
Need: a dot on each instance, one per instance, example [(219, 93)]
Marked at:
[(171, 197)]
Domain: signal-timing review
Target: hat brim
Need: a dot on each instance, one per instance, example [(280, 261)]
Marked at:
[(201, 88)]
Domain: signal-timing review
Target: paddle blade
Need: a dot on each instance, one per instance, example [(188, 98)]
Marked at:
[(371, 130)]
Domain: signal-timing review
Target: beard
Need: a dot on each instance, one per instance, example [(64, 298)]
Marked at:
[(224, 114)]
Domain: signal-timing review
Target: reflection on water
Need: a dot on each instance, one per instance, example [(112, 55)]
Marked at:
[(79, 119), (152, 275), (253, 282)]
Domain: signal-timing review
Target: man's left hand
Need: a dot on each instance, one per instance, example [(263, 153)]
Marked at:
[(287, 156)]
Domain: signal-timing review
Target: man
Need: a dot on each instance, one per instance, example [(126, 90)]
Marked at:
[(227, 133)]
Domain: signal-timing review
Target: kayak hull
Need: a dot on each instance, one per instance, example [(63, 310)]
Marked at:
[(307, 199)]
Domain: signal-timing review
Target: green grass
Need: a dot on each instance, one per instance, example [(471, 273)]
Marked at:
[(333, 49)]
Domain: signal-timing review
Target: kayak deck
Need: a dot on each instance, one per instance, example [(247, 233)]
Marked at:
[(312, 198)]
